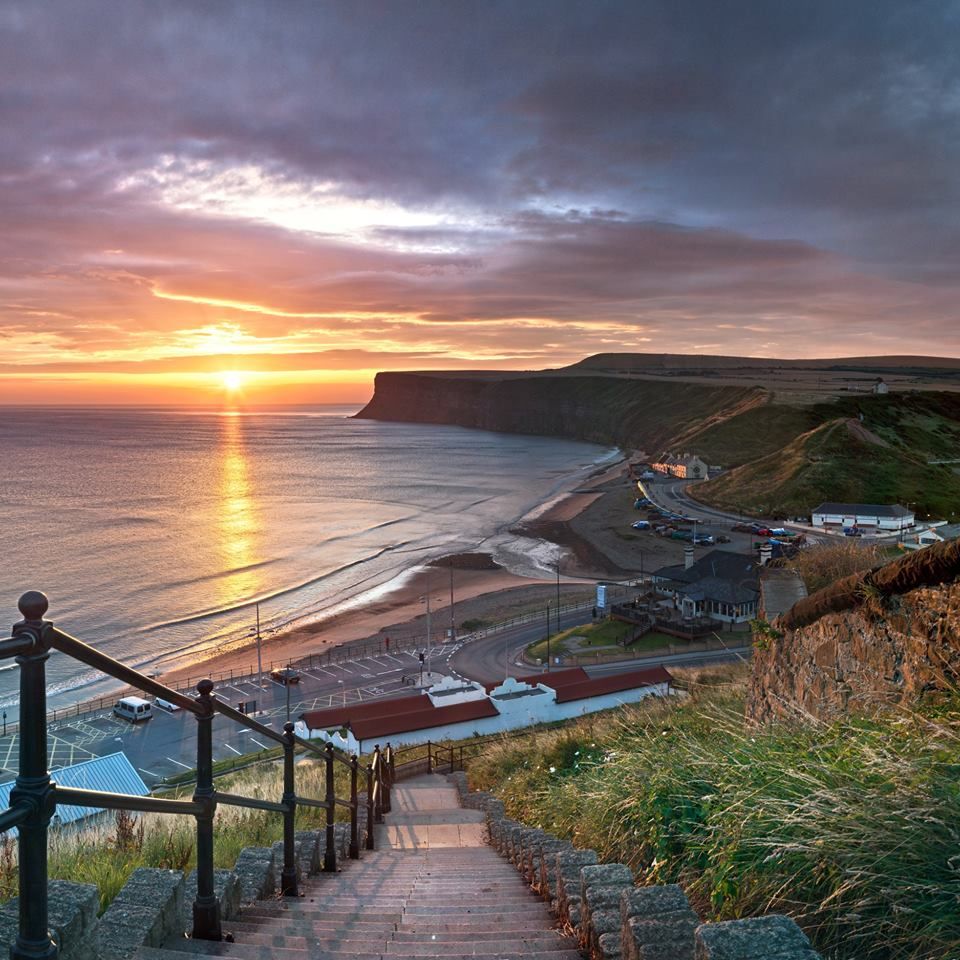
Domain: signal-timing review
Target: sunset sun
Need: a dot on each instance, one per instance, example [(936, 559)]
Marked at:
[(232, 380)]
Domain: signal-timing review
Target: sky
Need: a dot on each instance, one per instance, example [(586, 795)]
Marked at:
[(278, 199)]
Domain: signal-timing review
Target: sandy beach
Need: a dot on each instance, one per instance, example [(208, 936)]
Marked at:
[(591, 523)]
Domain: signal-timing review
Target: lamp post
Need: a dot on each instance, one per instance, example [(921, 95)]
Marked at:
[(558, 591), (256, 632), (548, 635), (453, 626), (426, 599)]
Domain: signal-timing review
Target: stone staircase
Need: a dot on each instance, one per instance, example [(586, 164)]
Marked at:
[(433, 888)]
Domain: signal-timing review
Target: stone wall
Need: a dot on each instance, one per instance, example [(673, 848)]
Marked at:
[(873, 640), (614, 920)]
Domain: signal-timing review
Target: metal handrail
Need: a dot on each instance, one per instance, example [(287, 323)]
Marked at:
[(35, 796)]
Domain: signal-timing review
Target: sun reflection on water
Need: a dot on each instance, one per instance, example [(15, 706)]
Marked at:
[(238, 520)]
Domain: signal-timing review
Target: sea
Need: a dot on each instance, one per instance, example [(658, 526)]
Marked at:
[(157, 532)]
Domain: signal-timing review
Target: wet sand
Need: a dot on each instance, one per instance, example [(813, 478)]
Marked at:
[(592, 525)]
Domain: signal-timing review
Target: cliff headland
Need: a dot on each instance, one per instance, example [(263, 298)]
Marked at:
[(788, 433)]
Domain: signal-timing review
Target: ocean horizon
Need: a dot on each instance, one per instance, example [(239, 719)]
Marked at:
[(156, 530)]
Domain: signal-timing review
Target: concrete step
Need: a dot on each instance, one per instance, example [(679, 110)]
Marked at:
[(406, 935)]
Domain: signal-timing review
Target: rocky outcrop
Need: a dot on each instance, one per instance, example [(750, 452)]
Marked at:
[(599, 409), (871, 640)]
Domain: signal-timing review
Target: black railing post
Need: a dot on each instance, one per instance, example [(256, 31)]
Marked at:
[(206, 909), (387, 778), (288, 876), (429, 757), (354, 810), (330, 854), (378, 775), (370, 844), (33, 784)]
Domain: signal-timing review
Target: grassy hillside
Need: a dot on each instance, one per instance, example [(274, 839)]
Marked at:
[(926, 426), (840, 461), (850, 828), (761, 430)]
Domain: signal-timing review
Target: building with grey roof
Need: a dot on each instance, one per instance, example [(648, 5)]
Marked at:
[(722, 585)]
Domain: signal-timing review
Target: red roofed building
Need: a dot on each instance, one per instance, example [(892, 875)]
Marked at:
[(456, 709)]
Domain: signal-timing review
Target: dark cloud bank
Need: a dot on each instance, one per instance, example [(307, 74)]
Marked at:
[(554, 178)]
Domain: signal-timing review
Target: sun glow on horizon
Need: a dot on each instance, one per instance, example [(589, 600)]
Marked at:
[(233, 380)]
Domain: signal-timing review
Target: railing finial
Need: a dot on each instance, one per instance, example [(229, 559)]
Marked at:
[(205, 687), (289, 727), (33, 605)]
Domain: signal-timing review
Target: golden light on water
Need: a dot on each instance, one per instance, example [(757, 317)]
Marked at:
[(238, 526)]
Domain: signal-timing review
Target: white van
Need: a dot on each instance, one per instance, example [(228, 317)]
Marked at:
[(133, 709)]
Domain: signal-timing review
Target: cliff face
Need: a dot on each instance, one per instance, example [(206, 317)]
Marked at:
[(631, 413), (868, 641)]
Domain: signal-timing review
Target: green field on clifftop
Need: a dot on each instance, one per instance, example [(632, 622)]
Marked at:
[(840, 461)]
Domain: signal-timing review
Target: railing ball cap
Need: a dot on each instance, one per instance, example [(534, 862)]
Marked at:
[(205, 687), (33, 605), (288, 727)]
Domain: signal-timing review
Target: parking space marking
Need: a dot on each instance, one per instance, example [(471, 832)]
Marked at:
[(149, 773), (234, 749), (394, 659), (311, 676), (344, 669), (259, 743), (179, 764)]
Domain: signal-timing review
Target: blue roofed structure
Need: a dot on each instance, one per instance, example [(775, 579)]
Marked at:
[(113, 773)]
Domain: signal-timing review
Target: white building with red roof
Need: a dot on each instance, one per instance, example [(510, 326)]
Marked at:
[(455, 709)]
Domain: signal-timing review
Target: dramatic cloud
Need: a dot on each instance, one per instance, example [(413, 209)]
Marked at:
[(315, 191)]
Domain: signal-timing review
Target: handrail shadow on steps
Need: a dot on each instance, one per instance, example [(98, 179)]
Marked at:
[(34, 798)]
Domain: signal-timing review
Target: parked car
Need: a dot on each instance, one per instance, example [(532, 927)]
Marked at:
[(133, 709), (165, 705), (640, 524), (285, 675), (705, 540), (722, 539)]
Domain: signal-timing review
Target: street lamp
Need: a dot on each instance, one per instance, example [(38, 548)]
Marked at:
[(427, 600), (256, 632), (548, 634)]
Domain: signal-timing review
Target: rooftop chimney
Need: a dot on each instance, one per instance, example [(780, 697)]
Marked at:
[(687, 557)]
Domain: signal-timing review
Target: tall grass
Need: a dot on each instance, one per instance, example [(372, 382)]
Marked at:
[(107, 852), (852, 828), (822, 565)]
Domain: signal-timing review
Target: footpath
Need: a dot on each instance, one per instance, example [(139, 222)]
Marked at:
[(433, 888)]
